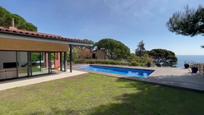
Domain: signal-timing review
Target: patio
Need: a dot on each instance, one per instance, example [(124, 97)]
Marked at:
[(8, 84), (177, 77)]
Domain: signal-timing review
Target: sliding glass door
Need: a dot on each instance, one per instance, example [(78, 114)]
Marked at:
[(38, 60), (22, 62), (38, 63)]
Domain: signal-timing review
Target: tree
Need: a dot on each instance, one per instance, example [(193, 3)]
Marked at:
[(189, 23), (20, 23), (163, 57), (140, 51), (114, 49)]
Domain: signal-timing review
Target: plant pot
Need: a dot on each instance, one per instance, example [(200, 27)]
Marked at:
[(194, 69), (149, 64), (186, 66), (158, 65)]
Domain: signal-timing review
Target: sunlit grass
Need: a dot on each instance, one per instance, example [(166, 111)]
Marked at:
[(99, 95)]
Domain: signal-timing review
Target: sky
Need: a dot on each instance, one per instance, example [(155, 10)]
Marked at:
[(128, 21)]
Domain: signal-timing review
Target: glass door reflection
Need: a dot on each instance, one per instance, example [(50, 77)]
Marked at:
[(22, 60), (39, 65)]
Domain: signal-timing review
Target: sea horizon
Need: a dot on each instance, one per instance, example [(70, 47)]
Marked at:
[(182, 59), (191, 55)]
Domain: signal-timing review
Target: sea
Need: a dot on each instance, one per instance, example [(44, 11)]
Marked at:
[(189, 59)]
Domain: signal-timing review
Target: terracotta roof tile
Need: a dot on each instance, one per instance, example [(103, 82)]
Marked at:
[(41, 35)]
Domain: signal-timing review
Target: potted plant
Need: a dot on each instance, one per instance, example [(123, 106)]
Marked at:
[(194, 69), (149, 64), (186, 66)]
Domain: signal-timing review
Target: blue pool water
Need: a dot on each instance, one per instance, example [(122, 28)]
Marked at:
[(125, 72)]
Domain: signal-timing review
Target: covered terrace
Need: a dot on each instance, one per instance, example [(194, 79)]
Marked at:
[(25, 53)]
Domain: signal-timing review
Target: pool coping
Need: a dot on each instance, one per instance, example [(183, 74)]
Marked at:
[(150, 80)]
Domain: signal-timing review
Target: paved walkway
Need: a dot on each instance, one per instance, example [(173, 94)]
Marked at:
[(168, 71), (34, 80)]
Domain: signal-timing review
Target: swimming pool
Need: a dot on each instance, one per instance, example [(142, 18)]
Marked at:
[(124, 72)]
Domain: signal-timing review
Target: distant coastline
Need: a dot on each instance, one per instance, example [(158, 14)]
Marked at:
[(189, 59)]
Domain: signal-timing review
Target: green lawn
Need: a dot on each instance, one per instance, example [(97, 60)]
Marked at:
[(94, 94)]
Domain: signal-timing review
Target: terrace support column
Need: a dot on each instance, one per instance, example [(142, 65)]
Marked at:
[(61, 62), (65, 61), (44, 58), (70, 57), (49, 63), (17, 65), (29, 68), (40, 61)]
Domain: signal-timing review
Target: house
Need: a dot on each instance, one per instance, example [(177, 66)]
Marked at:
[(99, 54), (85, 53), (89, 53), (25, 53)]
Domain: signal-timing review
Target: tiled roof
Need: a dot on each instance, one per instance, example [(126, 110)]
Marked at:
[(42, 35)]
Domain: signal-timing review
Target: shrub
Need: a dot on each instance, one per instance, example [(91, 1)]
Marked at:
[(132, 61), (112, 62), (140, 61), (75, 55)]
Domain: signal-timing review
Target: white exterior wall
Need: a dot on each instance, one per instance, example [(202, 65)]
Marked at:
[(7, 57)]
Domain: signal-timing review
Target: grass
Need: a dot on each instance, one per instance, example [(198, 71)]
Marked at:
[(94, 94)]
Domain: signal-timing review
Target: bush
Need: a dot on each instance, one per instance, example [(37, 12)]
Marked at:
[(75, 55), (112, 62), (132, 61), (140, 61)]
